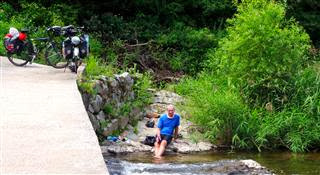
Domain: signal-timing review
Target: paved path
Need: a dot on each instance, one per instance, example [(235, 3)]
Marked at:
[(44, 128)]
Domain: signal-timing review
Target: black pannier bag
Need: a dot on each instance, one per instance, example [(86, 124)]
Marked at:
[(150, 124), (9, 45), (67, 49), (84, 46), (13, 46), (149, 140)]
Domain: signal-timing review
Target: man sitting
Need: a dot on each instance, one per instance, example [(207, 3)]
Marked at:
[(168, 128)]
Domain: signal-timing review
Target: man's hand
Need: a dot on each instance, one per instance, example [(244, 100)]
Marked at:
[(175, 135), (158, 139), (174, 139)]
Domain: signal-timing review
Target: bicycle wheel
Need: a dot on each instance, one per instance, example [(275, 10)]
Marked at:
[(54, 57), (19, 58)]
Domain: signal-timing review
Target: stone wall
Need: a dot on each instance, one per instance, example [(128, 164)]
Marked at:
[(109, 106)]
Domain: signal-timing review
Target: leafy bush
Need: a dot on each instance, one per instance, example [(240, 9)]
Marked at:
[(262, 52), (94, 68)]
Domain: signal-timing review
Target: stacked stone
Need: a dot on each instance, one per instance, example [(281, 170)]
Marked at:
[(114, 92)]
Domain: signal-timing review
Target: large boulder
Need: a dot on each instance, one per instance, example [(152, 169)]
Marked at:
[(121, 147)]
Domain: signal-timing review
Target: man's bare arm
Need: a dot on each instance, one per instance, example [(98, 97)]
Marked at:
[(158, 134), (176, 131)]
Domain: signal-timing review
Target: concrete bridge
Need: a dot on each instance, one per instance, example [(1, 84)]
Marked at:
[(44, 128)]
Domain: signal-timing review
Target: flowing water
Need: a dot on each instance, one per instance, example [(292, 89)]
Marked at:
[(212, 163)]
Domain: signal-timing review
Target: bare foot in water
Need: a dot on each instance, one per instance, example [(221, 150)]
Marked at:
[(157, 157)]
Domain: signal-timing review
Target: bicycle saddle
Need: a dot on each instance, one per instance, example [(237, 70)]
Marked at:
[(24, 30)]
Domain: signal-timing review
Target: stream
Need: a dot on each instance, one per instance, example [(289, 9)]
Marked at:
[(212, 163)]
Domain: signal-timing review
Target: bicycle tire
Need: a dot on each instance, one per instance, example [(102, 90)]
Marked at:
[(19, 58), (55, 58)]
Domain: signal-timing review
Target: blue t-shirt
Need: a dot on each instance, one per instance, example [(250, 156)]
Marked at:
[(167, 125)]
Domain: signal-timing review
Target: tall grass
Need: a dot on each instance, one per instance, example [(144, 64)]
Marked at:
[(215, 109)]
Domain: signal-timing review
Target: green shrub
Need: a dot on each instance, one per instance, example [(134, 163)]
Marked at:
[(94, 68), (262, 52)]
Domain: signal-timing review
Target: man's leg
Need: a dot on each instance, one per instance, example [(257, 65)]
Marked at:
[(156, 148), (162, 148)]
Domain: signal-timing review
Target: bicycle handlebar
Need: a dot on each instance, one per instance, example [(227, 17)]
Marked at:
[(68, 31)]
